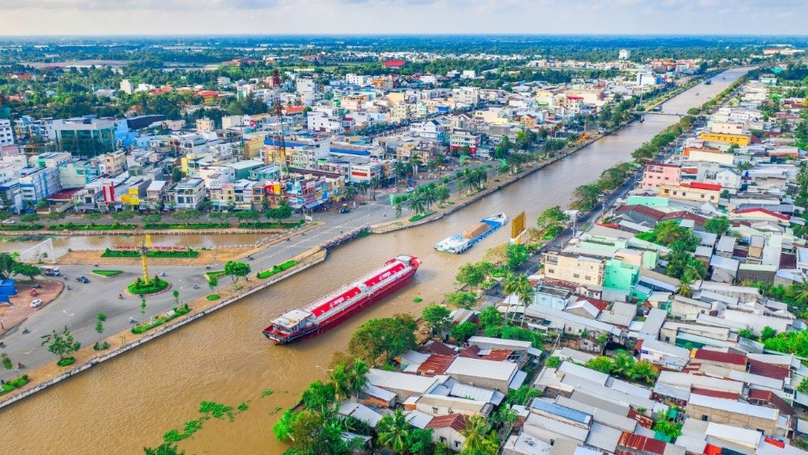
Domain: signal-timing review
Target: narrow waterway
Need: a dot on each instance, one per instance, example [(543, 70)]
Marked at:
[(127, 403)]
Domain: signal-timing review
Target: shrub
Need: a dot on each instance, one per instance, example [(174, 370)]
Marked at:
[(213, 297), (162, 319), (189, 253), (140, 287), (277, 268), (12, 384), (100, 346), (66, 361)]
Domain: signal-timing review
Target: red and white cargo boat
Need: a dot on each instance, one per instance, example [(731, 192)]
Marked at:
[(333, 309)]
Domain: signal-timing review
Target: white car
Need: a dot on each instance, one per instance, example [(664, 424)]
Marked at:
[(410, 189), (9, 221), (36, 303)]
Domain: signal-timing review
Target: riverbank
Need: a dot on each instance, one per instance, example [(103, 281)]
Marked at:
[(50, 374)]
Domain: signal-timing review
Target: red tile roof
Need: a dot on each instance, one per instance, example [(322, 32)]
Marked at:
[(435, 364), (456, 422), (768, 397), (714, 393), (702, 186), (394, 63), (641, 443), (716, 356), (294, 110), (762, 210), (642, 210), (683, 215), (769, 370)]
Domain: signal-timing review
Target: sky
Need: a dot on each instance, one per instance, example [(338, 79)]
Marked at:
[(361, 17)]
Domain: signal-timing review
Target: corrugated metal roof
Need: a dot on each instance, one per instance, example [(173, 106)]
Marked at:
[(377, 392), (561, 411), (360, 412), (418, 419), (583, 373), (742, 436), (603, 437), (641, 443), (502, 371), (603, 416), (518, 380), (734, 407), (474, 393), (687, 381), (555, 426), (653, 323)]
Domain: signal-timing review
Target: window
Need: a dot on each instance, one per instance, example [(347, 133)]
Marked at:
[(457, 444), (435, 411), (443, 440), (576, 275), (704, 418)]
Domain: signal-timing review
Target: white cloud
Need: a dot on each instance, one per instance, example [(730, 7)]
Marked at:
[(205, 17)]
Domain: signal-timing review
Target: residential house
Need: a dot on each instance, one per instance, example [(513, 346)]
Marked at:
[(190, 193), (448, 430)]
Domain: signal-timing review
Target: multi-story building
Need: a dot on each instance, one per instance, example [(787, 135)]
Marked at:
[(85, 137), (399, 110), (76, 174), (127, 86), (575, 269), (204, 125), (189, 194), (466, 95), (6, 133), (39, 184), (49, 160), (460, 139), (112, 164), (358, 79), (740, 140), (656, 174), (320, 121), (624, 54)]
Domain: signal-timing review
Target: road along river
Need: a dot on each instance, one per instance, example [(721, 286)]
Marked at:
[(127, 403)]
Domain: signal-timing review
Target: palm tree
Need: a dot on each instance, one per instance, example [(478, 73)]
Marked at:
[(478, 440), (340, 377), (350, 192), (800, 290), (417, 203), (644, 371), (393, 431), (358, 376), (520, 286), (430, 196), (623, 363), (469, 179), (374, 185), (685, 283), (481, 177)]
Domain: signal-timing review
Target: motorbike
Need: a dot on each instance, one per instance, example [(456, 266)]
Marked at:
[(120, 296), (196, 286), (207, 267), (162, 273), (132, 321)]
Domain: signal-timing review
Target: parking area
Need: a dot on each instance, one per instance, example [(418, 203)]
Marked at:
[(20, 307)]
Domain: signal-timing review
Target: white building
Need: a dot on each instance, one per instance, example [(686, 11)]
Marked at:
[(358, 79), (645, 79), (624, 54), (6, 133), (189, 194), (127, 86), (466, 95)]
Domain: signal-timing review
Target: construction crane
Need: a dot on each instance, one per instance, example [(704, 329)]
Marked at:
[(278, 154), (144, 250)]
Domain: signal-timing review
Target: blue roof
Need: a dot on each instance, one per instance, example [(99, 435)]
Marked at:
[(562, 411)]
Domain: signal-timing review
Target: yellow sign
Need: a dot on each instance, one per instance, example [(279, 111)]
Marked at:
[(517, 225)]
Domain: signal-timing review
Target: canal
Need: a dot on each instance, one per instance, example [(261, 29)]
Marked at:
[(125, 404)]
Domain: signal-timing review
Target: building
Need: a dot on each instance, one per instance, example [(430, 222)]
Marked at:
[(127, 86), (190, 193), (466, 95), (204, 125), (39, 184), (461, 139), (624, 54), (574, 269), (656, 174), (6, 133), (448, 430), (645, 79), (76, 174), (489, 374), (693, 191), (85, 137), (735, 413), (731, 139), (112, 164)]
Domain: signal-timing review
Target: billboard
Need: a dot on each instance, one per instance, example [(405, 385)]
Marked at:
[(518, 225)]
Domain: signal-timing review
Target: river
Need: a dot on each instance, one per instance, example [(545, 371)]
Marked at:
[(127, 403)]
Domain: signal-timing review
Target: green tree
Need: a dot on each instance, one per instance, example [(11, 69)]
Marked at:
[(350, 192), (152, 219), (383, 339), (600, 363), (767, 333), (462, 299), (553, 362), (319, 396), (622, 364), (522, 395), (62, 345), (7, 265), (517, 255), (283, 428), (668, 427), (123, 216), (5, 360), (29, 218), (644, 371), (248, 215), (471, 275), (550, 219), (480, 439), (393, 431), (99, 322), (143, 306), (213, 282), (490, 317), (802, 388), (30, 271), (748, 334), (236, 270), (464, 331), (436, 317), (717, 225)]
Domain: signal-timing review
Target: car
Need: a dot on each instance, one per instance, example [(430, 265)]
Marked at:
[(410, 189), (37, 286), (82, 279), (9, 221), (36, 303)]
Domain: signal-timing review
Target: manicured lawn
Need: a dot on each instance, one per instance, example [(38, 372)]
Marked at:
[(277, 269), (216, 274), (189, 253), (12, 384), (108, 273), (21, 227)]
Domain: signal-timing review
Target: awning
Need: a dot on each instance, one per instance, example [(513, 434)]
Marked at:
[(518, 380), (313, 204)]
